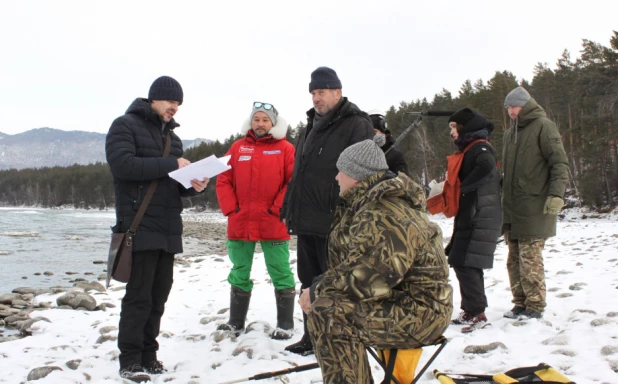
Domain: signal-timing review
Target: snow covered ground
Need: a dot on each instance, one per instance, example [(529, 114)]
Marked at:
[(578, 336)]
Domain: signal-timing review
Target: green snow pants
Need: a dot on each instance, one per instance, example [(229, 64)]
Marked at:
[(276, 255)]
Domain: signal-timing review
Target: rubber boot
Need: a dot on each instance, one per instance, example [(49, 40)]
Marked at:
[(239, 306), (303, 347), (285, 313)]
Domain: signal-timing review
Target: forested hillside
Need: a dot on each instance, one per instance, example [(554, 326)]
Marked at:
[(580, 95)]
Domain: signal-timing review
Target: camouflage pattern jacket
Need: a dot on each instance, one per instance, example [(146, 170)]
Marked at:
[(382, 247)]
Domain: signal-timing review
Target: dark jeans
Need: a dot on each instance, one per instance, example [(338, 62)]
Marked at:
[(311, 262), (472, 288), (152, 275)]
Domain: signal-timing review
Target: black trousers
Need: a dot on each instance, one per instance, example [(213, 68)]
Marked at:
[(472, 288), (311, 262), (152, 275)]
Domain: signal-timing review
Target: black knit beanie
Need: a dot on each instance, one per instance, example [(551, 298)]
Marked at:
[(165, 88), (324, 78), (462, 117)]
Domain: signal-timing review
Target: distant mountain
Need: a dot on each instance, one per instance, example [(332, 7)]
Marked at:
[(48, 147)]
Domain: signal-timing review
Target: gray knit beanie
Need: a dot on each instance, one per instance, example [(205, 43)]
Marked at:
[(361, 160), (518, 97), (271, 112)]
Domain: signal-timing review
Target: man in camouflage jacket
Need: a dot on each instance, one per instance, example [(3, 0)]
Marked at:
[(535, 174), (387, 282)]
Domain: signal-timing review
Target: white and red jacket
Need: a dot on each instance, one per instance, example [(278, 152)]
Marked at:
[(251, 193)]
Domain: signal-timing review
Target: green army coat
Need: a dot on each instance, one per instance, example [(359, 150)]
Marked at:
[(534, 166)]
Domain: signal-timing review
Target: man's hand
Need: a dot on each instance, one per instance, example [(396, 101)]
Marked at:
[(305, 300), (199, 186), (183, 162), (283, 220), (553, 205)]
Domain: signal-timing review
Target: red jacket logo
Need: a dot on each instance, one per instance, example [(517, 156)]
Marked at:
[(244, 149)]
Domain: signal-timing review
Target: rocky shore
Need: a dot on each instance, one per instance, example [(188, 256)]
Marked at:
[(19, 308)]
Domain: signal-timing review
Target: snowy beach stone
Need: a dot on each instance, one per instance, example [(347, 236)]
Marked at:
[(5, 313), (14, 319), (565, 352), (93, 285), (612, 314), (243, 348), (99, 262), (9, 338), (48, 273), (564, 295), (103, 338), (27, 324), (76, 300), (107, 329), (209, 319), (19, 303), (609, 350), (8, 298), (585, 311), (24, 290), (599, 322), (556, 340), (73, 364), (482, 349), (577, 286), (63, 347), (41, 372)]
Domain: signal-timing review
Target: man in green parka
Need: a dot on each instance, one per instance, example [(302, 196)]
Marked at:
[(387, 279), (535, 174)]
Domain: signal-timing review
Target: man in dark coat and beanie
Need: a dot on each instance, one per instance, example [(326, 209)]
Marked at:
[(477, 223), (134, 149), (535, 173), (394, 157), (333, 124)]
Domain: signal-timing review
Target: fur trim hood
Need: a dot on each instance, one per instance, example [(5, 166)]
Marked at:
[(278, 131)]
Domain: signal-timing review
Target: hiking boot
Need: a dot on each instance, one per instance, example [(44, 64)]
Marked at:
[(134, 373), (154, 367), (463, 319), (515, 312), (477, 322), (304, 347), (530, 314)]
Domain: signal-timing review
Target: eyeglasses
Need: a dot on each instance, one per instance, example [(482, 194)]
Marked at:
[(266, 106)]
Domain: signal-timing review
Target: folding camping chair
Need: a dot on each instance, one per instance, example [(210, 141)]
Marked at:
[(387, 362)]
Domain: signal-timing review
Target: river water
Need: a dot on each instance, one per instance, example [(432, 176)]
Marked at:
[(57, 241)]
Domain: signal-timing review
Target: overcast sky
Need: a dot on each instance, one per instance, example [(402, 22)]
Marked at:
[(77, 65)]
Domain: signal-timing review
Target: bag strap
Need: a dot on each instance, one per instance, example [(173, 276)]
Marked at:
[(150, 192)]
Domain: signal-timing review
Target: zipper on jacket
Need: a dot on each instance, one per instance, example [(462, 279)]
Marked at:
[(319, 153)]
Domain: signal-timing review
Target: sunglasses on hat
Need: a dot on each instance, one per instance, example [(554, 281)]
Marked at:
[(266, 106), (259, 104)]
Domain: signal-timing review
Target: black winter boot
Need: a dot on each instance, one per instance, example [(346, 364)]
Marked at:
[(285, 314), (304, 347), (239, 306)]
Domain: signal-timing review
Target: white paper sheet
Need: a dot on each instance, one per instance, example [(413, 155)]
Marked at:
[(208, 167)]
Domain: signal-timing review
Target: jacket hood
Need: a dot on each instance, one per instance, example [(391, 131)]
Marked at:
[(278, 132), (386, 184), (141, 107), (531, 111)]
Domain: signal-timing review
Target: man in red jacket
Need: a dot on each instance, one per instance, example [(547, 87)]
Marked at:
[(250, 194)]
